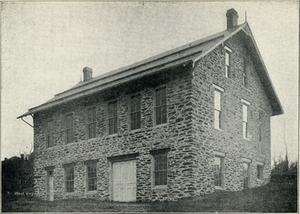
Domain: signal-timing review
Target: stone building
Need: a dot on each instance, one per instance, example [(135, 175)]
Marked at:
[(187, 122)]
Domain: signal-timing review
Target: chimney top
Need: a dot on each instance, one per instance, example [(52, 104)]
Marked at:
[(87, 73), (232, 18)]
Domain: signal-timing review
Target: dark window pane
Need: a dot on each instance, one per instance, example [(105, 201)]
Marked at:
[(112, 118), (160, 169), (161, 106)]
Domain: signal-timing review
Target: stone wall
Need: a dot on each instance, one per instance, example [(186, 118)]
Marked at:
[(229, 141), (176, 135), (189, 133)]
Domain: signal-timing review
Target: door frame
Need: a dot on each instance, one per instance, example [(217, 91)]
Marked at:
[(119, 158)]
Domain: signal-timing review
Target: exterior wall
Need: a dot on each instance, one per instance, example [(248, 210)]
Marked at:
[(189, 133), (176, 135), (211, 70)]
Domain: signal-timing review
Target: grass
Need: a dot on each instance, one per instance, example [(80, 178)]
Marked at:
[(273, 197)]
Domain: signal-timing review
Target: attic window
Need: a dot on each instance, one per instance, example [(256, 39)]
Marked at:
[(227, 62)]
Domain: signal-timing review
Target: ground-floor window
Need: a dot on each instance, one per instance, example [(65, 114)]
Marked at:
[(160, 167), (91, 169), (246, 174), (260, 171), (219, 171), (69, 178)]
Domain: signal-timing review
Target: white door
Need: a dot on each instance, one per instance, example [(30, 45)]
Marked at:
[(124, 181), (50, 189)]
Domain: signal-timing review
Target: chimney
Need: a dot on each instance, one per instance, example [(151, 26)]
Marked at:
[(87, 73), (232, 18)]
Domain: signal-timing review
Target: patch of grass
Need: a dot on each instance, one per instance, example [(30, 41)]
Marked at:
[(274, 197)]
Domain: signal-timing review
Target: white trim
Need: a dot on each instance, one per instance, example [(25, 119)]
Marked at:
[(246, 160), (260, 163), (219, 154), (227, 49), (218, 88), (246, 102)]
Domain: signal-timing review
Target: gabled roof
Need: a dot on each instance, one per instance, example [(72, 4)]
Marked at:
[(189, 53)]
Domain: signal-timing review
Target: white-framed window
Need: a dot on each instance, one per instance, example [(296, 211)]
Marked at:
[(112, 117), (246, 106), (160, 167), (260, 171), (69, 129), (246, 174), (91, 123), (91, 176), (227, 62), (135, 112), (245, 72), (219, 171), (69, 178), (218, 91), (49, 134), (160, 106)]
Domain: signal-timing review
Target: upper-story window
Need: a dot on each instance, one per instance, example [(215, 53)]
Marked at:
[(91, 123), (246, 106), (245, 72), (112, 117), (160, 106), (227, 62), (49, 134), (218, 91), (135, 112), (69, 128)]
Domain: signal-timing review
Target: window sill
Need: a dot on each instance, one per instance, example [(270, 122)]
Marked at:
[(161, 125), (219, 129), (52, 147), (112, 135), (219, 188), (246, 139), (91, 192), (135, 130), (161, 187), (70, 193)]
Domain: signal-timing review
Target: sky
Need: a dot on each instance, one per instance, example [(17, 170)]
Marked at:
[(46, 45)]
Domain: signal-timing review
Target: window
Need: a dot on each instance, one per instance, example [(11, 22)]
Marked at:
[(49, 135), (260, 125), (219, 171), (246, 175), (218, 107), (91, 169), (91, 123), (135, 112), (112, 117), (69, 128), (69, 178), (227, 62), (260, 171), (246, 119), (160, 169), (245, 72), (160, 106)]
